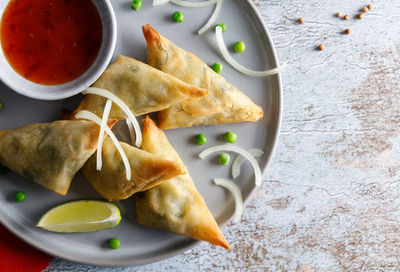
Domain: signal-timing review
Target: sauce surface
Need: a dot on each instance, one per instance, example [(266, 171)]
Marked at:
[(51, 42)]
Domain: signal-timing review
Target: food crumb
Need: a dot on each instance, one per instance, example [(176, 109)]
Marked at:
[(346, 17), (346, 31), (321, 47), (338, 14), (364, 9), (300, 20)]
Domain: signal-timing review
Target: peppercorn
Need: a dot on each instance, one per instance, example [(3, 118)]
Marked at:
[(346, 17), (300, 20), (369, 6), (360, 16), (321, 47), (346, 31), (364, 9), (338, 14)]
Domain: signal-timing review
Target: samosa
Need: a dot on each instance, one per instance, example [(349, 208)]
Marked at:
[(50, 154), (224, 103), (147, 169), (141, 87), (174, 205)]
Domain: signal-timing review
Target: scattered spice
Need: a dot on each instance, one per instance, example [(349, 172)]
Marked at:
[(300, 20), (346, 17)]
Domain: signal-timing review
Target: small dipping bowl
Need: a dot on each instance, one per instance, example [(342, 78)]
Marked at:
[(54, 92)]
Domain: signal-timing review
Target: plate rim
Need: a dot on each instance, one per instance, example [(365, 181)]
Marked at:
[(26, 238)]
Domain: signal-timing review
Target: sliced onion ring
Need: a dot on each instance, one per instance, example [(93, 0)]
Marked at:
[(212, 19), (236, 149), (84, 114), (106, 113), (186, 3), (237, 163), (159, 2), (131, 131), (228, 58), (237, 196), (122, 105)]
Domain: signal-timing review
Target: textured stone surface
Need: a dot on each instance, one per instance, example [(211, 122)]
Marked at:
[(330, 201)]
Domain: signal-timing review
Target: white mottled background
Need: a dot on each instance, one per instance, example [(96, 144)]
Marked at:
[(330, 200)]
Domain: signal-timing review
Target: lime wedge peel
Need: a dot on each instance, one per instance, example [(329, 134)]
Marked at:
[(80, 216)]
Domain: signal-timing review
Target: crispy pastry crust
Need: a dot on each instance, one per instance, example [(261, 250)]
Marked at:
[(148, 170), (175, 205), (143, 88), (224, 104), (51, 153)]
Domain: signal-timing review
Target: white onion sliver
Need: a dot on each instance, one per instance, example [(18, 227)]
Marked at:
[(237, 196), (237, 163), (213, 17), (131, 131), (103, 124), (189, 4), (159, 2), (186, 4), (122, 105), (84, 114), (225, 53), (241, 151)]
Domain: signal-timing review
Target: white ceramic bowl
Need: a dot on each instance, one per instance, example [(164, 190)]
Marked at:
[(28, 88)]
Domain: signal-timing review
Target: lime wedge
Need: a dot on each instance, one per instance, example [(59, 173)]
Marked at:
[(81, 216)]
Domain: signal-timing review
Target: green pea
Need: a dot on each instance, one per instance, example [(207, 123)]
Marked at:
[(178, 17), (224, 158), (200, 139), (136, 4), (20, 196), (239, 47), (114, 243), (217, 67), (3, 169), (230, 137), (223, 26)]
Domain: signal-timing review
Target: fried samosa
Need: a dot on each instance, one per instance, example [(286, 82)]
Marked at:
[(148, 170), (174, 205), (224, 104), (51, 153), (143, 88)]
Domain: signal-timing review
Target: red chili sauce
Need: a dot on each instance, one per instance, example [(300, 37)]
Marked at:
[(51, 42)]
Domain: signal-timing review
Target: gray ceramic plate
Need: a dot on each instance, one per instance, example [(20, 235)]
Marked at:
[(141, 244)]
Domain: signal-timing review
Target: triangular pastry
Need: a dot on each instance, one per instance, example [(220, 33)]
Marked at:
[(147, 169), (51, 153), (174, 205), (143, 88), (224, 103)]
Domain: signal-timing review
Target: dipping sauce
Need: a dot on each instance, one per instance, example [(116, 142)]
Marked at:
[(51, 42)]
